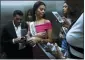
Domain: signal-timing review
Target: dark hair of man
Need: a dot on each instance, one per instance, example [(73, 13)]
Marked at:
[(17, 12), (35, 7)]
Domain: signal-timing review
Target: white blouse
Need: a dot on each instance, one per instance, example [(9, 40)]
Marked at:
[(75, 36)]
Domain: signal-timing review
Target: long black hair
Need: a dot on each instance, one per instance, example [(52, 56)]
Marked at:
[(35, 7), (67, 14), (29, 12)]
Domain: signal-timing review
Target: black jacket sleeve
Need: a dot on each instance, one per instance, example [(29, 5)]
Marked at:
[(6, 41)]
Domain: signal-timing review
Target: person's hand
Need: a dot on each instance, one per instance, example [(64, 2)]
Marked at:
[(61, 35), (23, 39), (32, 41), (57, 52), (41, 35), (16, 40), (66, 22), (19, 40)]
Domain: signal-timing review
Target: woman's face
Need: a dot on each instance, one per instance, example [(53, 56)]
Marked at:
[(40, 11), (65, 8), (29, 15)]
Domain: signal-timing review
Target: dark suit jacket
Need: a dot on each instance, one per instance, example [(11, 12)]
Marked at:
[(8, 33)]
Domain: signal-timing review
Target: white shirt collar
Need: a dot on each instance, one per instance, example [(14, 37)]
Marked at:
[(17, 30), (15, 26)]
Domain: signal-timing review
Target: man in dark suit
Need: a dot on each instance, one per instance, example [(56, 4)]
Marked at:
[(12, 41)]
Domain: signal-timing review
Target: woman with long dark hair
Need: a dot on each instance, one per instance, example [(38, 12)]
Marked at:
[(42, 26)]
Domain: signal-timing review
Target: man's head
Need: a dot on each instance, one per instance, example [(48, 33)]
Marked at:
[(17, 16)]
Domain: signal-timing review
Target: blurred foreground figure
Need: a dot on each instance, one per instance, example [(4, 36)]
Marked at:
[(75, 35)]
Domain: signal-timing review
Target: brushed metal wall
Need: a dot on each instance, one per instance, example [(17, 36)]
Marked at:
[(7, 8)]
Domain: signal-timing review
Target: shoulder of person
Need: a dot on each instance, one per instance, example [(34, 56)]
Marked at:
[(9, 23), (47, 21)]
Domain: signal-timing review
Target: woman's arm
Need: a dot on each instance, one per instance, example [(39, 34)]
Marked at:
[(39, 38), (49, 36)]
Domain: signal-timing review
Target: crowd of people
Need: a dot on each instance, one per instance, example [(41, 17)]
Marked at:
[(19, 37)]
